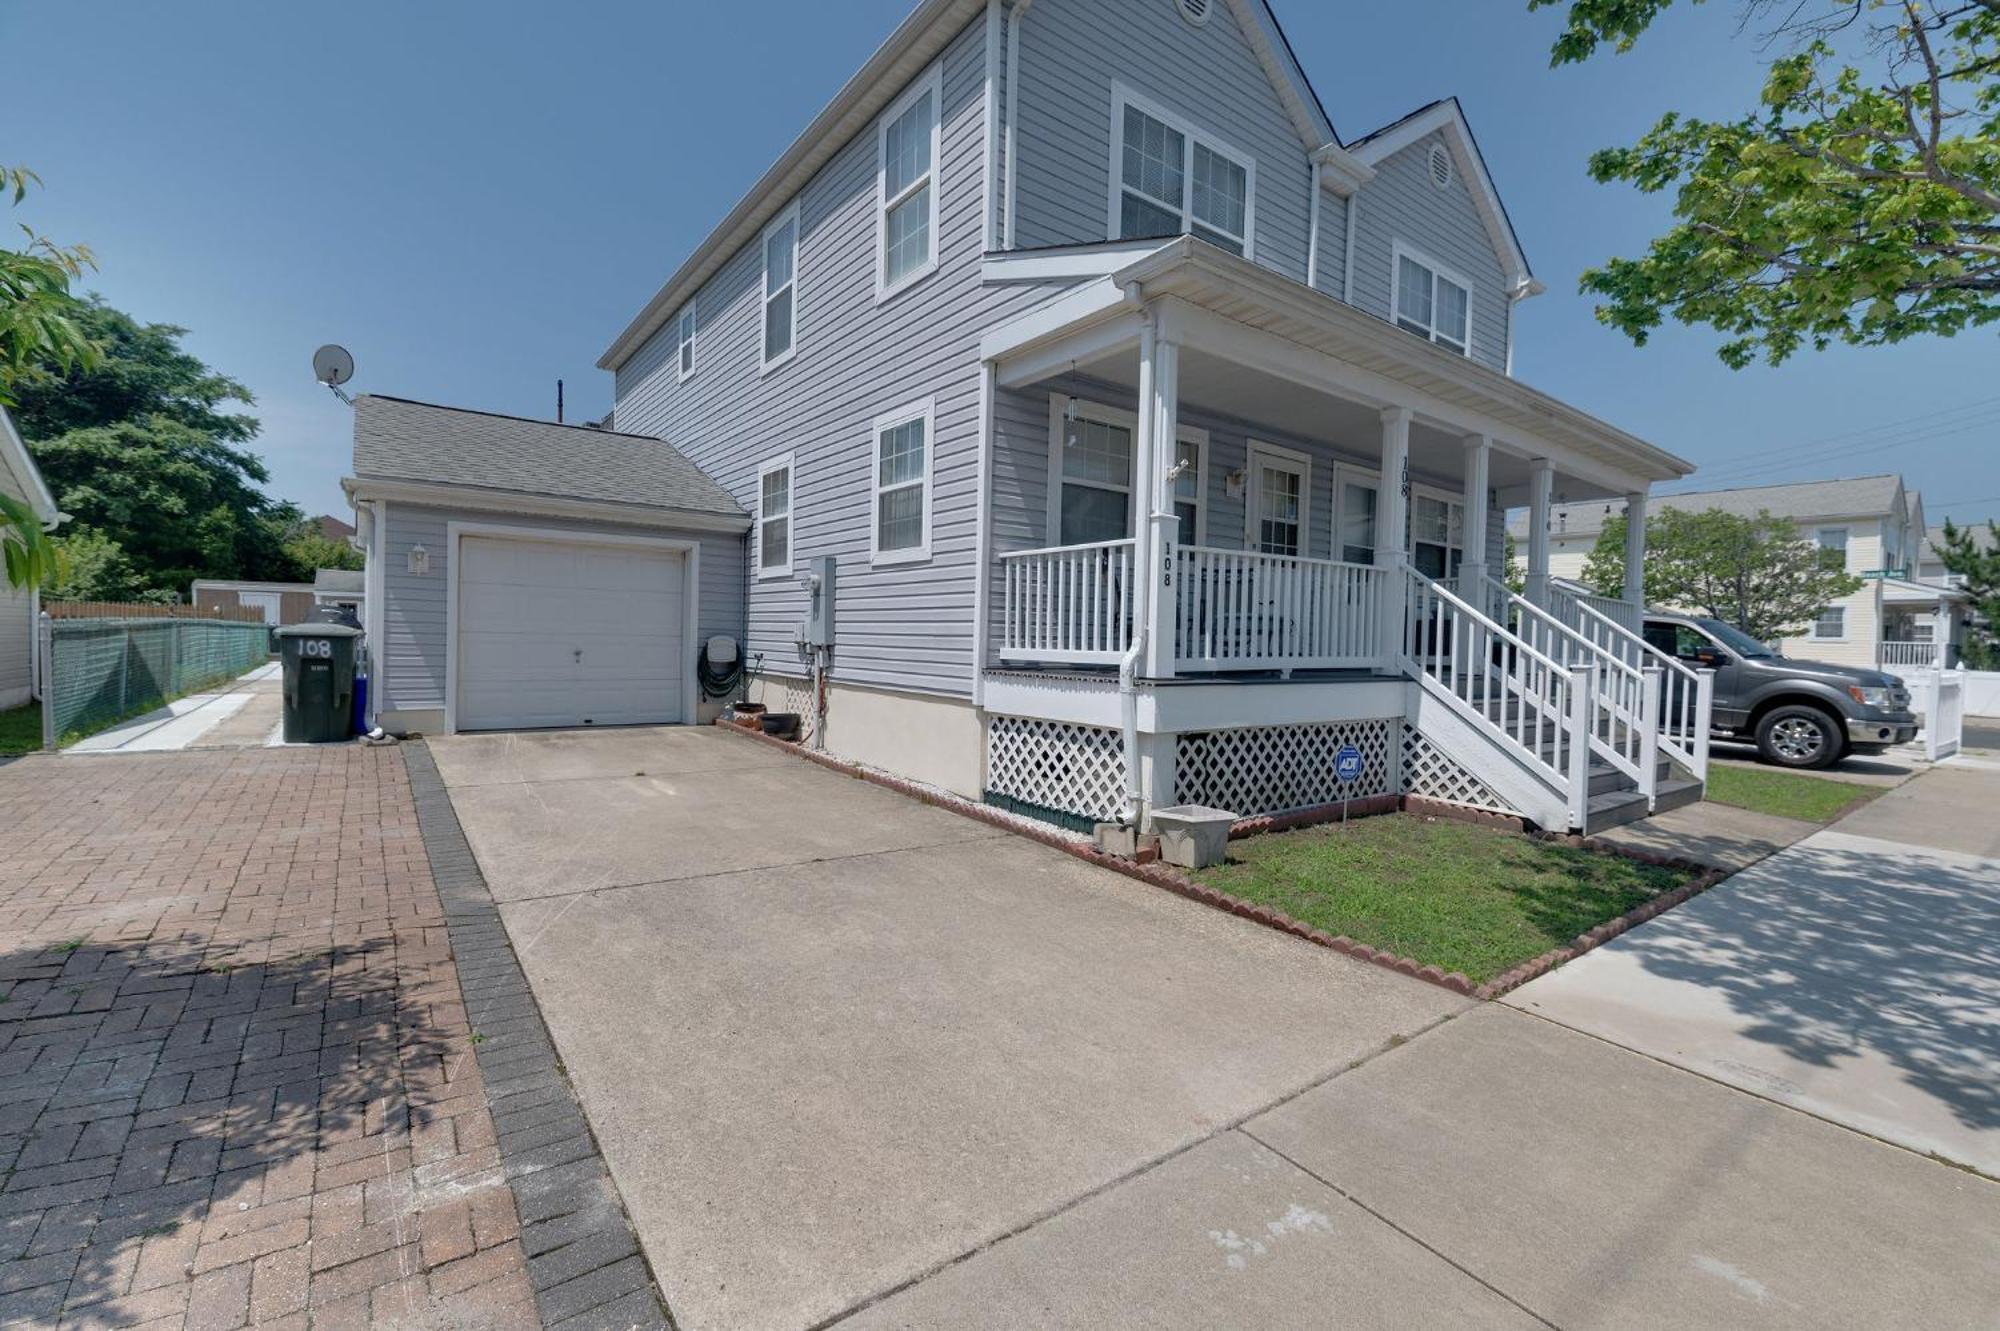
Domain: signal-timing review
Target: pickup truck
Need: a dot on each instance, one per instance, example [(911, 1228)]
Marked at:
[(1799, 713)]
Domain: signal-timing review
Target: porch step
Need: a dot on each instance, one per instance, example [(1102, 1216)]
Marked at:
[(1615, 808)]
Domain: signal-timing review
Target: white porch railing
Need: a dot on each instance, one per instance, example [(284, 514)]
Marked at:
[(1920, 655), (1240, 610), (1686, 695), (1068, 604)]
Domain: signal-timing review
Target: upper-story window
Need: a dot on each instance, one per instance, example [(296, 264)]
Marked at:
[(781, 288), (684, 341), (1169, 178), (1832, 543), (1432, 302), (907, 194)]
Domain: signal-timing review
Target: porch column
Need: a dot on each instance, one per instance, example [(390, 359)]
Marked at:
[(1635, 558), (1541, 488), (1392, 524), (1159, 428), (1473, 572)]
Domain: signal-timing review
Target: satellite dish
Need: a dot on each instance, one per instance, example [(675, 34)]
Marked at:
[(332, 365)]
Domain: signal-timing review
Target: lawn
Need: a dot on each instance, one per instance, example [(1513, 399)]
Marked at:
[(1815, 799), (20, 730), (1465, 898)]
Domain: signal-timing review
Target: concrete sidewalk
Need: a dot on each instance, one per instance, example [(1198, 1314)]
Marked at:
[(241, 714)]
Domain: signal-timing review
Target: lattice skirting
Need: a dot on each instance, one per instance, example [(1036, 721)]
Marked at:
[(1270, 769), (1053, 767), (1434, 774)]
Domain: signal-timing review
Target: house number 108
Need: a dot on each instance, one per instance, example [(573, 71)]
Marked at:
[(316, 647)]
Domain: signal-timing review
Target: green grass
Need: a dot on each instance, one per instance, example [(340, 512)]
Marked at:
[(1815, 799), (1464, 898), (20, 730)]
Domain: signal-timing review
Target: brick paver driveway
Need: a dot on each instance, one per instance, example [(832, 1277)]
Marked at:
[(237, 1082)]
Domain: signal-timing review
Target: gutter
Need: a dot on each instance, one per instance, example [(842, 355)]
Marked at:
[(1128, 664), (1012, 192)]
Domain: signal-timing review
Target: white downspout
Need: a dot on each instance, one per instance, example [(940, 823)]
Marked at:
[(1010, 192), (1312, 230), (1347, 272), (989, 194), (1128, 664)]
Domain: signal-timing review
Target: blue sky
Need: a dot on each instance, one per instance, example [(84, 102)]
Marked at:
[(474, 198)]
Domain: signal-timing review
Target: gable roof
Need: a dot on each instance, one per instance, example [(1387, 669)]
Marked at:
[(396, 439), (1447, 117), (15, 458), (1848, 497)]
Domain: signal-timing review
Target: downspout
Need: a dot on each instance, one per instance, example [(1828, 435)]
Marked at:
[(1128, 664), (989, 197), (1011, 194), (1353, 225), (1312, 231)]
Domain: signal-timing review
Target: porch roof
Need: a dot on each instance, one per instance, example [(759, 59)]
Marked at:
[(1226, 305)]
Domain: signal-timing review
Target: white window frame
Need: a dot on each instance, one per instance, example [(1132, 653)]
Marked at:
[(1398, 252), (684, 350), (1446, 497), (1367, 478), (1189, 434), (1824, 611), (767, 364), (926, 411), (1104, 414), (783, 463), (1256, 451), (1123, 96), (932, 81), (1846, 541)]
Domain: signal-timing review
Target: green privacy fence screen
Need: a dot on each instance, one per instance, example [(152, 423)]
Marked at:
[(100, 671)]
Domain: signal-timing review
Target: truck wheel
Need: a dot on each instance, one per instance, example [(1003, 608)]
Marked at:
[(1798, 737)]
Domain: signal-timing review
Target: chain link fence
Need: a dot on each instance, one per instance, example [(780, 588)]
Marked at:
[(99, 671)]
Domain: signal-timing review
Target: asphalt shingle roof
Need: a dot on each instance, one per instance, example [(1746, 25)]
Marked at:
[(396, 439), (1848, 497)]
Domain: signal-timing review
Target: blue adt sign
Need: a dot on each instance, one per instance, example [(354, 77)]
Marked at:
[(1347, 763)]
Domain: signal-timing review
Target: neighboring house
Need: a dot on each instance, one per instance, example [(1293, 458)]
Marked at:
[(19, 639), (279, 602), (346, 588), (1870, 525), (1056, 371), (334, 529)]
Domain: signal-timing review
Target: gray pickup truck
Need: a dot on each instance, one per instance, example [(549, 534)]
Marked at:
[(1799, 713)]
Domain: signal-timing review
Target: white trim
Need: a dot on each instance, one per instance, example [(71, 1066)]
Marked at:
[(1193, 434), (1009, 211), (230, 585), (1123, 96), (1813, 634), (932, 82), (690, 610), (767, 364), (926, 411), (686, 361), (1347, 260), (1846, 540), (1106, 414), (1399, 251), (1369, 478), (783, 462), (1256, 451), (1064, 263), (989, 172), (1312, 228), (433, 494), (15, 457)]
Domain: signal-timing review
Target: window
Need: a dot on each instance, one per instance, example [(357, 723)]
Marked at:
[(684, 337), (1090, 475), (1832, 623), (1279, 485), (907, 197), (1833, 548), (1432, 303), (1357, 522), (774, 517), (902, 530), (1437, 535), (1169, 179), (781, 287), (1190, 495)]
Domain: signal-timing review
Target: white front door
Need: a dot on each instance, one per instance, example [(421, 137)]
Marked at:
[(1280, 500), (557, 633)]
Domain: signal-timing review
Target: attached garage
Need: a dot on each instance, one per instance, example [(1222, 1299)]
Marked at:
[(525, 575)]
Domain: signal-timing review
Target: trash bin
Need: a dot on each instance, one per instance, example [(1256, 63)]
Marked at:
[(319, 681)]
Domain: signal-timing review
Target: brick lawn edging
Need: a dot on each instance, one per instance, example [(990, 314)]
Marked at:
[(1173, 880), (584, 1260)]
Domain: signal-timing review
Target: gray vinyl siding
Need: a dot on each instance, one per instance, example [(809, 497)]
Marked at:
[(412, 656), (1402, 204), (905, 625), (1332, 245), (1072, 50)]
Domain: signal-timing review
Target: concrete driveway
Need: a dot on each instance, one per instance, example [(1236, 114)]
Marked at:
[(833, 1040)]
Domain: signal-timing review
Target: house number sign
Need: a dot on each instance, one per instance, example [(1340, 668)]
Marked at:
[(316, 647)]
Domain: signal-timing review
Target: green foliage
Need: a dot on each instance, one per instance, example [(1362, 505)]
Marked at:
[(310, 551), (27, 554), (37, 327), (1753, 572), (1978, 563), (1856, 205), (96, 569)]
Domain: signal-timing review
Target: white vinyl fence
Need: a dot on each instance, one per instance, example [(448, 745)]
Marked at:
[(1939, 697)]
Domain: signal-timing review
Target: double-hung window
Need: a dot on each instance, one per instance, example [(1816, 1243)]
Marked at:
[(906, 181), (1432, 302), (774, 517), (1090, 482), (902, 463), (684, 341), (1437, 535), (781, 287), (1170, 179), (1832, 623), (1833, 549)]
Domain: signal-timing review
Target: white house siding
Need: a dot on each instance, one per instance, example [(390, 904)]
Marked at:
[(1861, 644), (1072, 50), (412, 656), (17, 620), (1401, 203)]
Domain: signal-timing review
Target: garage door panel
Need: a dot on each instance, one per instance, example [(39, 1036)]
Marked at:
[(557, 634)]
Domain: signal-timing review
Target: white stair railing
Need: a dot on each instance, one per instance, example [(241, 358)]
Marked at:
[(1537, 706), (1686, 694)]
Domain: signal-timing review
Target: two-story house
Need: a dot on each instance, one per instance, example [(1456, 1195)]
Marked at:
[(1869, 526), (1089, 428)]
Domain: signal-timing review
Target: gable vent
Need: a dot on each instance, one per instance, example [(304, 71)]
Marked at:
[(1440, 166), (1195, 11)]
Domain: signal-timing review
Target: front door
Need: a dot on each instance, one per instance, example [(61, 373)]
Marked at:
[(1280, 489)]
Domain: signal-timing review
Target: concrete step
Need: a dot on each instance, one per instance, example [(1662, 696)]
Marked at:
[(1615, 808)]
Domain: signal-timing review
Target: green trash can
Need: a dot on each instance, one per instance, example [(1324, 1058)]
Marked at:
[(319, 681)]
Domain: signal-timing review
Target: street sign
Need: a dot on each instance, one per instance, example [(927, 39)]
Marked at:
[(1876, 574), (1347, 763)]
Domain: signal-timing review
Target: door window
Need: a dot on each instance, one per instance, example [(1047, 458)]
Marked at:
[(1357, 522), (1437, 535), (1278, 503)]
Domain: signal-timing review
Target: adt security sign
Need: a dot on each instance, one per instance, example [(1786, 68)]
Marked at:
[(1347, 763)]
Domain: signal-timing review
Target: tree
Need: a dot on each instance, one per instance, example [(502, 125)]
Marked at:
[(310, 550), (1979, 564), (37, 324), (1860, 202), (1753, 572), (27, 554)]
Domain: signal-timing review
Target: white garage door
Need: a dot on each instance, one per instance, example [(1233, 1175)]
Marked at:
[(554, 634)]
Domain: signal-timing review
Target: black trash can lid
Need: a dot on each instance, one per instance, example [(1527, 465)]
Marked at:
[(319, 631)]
